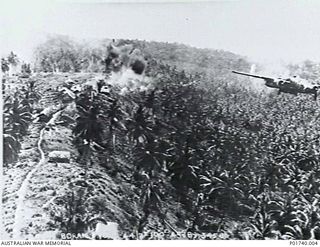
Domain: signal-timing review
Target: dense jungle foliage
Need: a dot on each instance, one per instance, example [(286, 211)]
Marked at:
[(241, 163)]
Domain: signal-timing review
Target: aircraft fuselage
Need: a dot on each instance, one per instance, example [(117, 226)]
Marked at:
[(286, 85)]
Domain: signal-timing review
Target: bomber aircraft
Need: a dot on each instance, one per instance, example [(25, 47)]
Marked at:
[(292, 85)]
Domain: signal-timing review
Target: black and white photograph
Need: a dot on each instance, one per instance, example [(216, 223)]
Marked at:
[(160, 120)]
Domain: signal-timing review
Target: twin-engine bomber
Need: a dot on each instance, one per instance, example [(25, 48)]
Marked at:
[(292, 85)]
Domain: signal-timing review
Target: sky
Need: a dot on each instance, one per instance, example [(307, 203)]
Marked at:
[(270, 31)]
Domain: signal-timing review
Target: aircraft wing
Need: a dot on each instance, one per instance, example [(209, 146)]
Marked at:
[(252, 75)]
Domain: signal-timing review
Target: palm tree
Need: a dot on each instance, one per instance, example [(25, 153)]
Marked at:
[(33, 97), (4, 65), (88, 131), (151, 200), (140, 126), (184, 169), (113, 116), (89, 125), (13, 59), (11, 147), (17, 115), (224, 187)]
